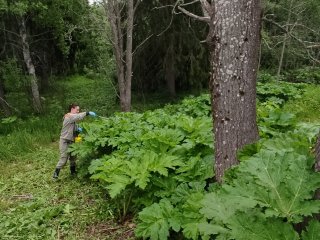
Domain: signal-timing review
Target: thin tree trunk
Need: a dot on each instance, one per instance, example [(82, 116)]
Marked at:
[(234, 41), (130, 11), (285, 37), (169, 68), (30, 66)]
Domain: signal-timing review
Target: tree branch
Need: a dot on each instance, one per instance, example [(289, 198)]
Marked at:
[(314, 46), (199, 18), (290, 34), (136, 6), (171, 19), (141, 44), (206, 8), (5, 102)]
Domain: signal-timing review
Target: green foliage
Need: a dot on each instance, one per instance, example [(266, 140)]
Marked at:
[(9, 120), (179, 211), (306, 108), (158, 220), (92, 94), (305, 75), (149, 154), (274, 185), (312, 232), (96, 56), (260, 199), (34, 221), (18, 137), (272, 119), (14, 82), (192, 106), (282, 90), (161, 162), (276, 122), (162, 149), (12, 76), (121, 172), (265, 77), (271, 190), (33, 207)]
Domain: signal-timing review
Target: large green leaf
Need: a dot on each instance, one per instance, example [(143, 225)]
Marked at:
[(120, 170), (254, 226), (266, 194), (283, 184), (220, 206), (157, 220)]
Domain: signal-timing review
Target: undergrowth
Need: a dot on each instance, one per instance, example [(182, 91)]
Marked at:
[(156, 167), (33, 206), (159, 164)]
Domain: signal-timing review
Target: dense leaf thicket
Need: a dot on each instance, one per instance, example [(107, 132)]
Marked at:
[(161, 162)]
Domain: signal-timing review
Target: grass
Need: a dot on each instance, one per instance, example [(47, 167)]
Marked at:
[(33, 206), (96, 94), (23, 136), (307, 108)]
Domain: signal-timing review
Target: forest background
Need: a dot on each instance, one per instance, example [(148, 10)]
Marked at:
[(53, 53)]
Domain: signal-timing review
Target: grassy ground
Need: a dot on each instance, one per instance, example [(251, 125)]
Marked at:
[(33, 206), (307, 108)]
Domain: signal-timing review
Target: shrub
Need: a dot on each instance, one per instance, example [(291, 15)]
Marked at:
[(305, 75)]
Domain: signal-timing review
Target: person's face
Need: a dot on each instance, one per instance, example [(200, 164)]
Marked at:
[(75, 109)]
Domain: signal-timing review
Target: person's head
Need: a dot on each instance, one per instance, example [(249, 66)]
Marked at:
[(74, 108)]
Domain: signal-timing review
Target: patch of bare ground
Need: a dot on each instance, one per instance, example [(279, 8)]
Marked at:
[(111, 230)]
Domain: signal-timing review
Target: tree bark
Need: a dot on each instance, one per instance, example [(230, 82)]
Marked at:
[(234, 41), (30, 66)]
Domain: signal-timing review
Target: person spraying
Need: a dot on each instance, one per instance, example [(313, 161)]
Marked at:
[(67, 136)]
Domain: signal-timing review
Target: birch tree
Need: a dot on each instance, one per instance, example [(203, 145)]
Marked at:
[(233, 41), (19, 11), (30, 65)]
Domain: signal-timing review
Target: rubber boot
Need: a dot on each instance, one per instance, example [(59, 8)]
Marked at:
[(56, 173), (73, 170)]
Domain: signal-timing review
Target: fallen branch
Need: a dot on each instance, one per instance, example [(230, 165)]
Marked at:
[(23, 196)]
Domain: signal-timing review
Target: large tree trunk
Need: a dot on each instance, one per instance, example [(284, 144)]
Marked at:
[(234, 41), (30, 66), (123, 57)]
